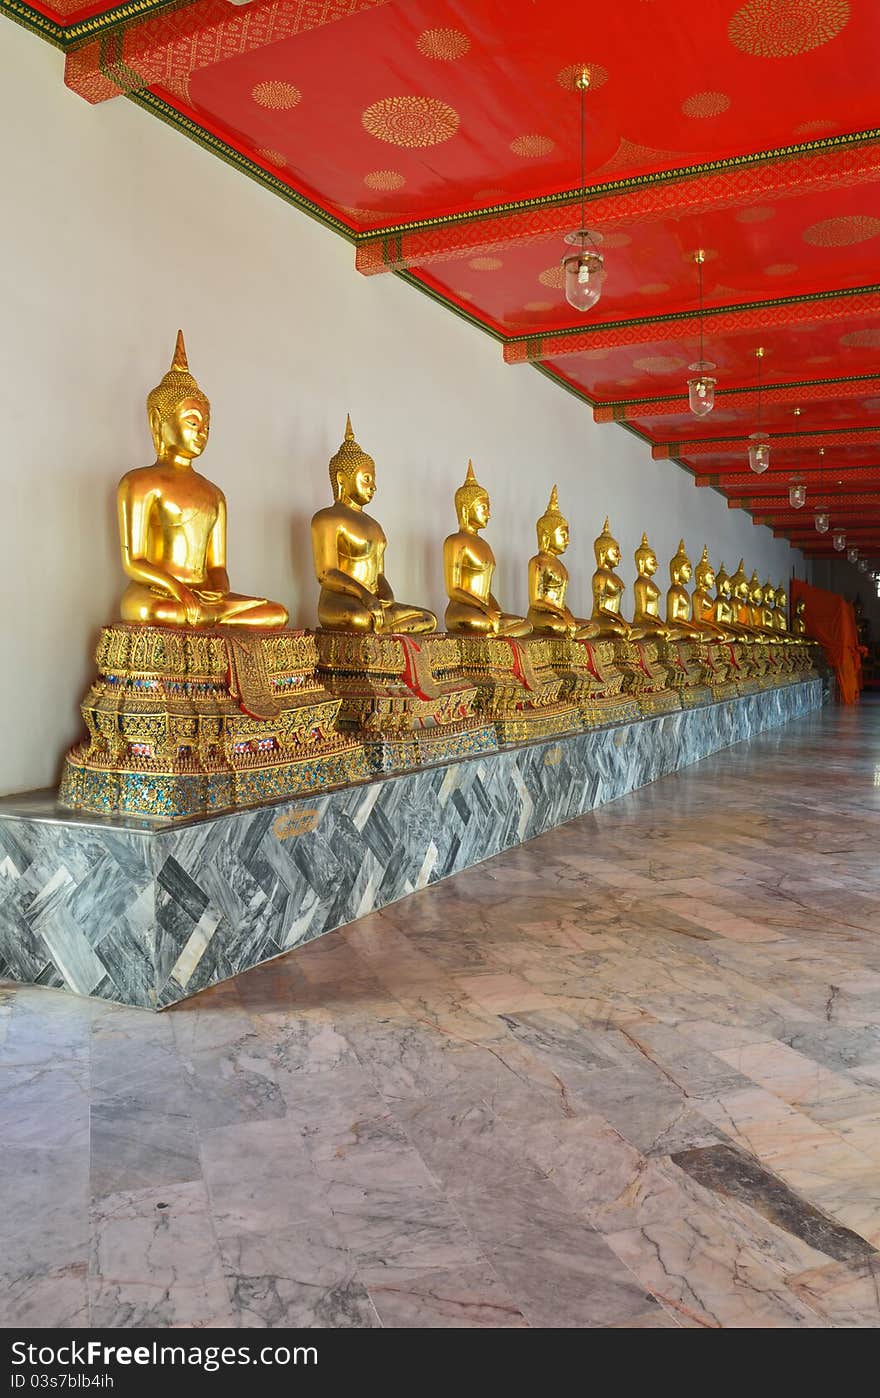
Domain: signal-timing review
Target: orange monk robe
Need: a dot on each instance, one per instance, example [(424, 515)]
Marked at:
[(831, 621)]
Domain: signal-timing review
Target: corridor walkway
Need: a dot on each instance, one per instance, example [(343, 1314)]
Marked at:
[(627, 1075)]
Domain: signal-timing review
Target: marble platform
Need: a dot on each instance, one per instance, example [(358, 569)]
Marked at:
[(148, 915)]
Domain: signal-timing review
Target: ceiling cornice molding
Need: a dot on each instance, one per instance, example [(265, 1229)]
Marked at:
[(69, 36), (741, 317), (827, 437), (779, 395)]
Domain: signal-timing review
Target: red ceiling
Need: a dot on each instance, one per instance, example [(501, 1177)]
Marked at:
[(419, 116)]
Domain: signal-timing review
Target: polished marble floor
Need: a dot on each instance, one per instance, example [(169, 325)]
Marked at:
[(626, 1075)]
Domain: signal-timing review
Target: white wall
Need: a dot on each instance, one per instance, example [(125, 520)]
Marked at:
[(116, 230)]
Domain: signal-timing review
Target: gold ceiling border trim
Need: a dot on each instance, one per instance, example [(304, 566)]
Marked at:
[(668, 317), (686, 443), (626, 184), (67, 36), (732, 392), (231, 156)]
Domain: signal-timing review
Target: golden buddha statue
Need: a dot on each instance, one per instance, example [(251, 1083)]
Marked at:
[(647, 621), (756, 601), (798, 624), (743, 603), (548, 580), (768, 612), (681, 613), (703, 604), (172, 521), (349, 550), (468, 566), (608, 588), (780, 614)]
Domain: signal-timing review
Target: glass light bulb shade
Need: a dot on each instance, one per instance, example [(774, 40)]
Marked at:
[(584, 279), (797, 495), (838, 539), (759, 453), (822, 521), (701, 394), (853, 555)]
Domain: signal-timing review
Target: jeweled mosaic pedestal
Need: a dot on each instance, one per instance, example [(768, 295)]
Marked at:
[(148, 915)]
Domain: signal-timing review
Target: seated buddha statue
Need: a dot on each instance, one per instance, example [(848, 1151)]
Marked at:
[(768, 612), (798, 622), (172, 521), (608, 589), (743, 603), (548, 580), (349, 551), (647, 621), (780, 611), (681, 611), (725, 606), (704, 605), (756, 602), (468, 567)]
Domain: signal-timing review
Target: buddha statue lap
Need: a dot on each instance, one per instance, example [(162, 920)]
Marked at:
[(517, 686), (400, 683), (204, 700), (590, 678), (635, 649)]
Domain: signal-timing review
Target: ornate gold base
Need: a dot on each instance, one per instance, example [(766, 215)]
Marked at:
[(687, 663), (644, 678), (405, 697), (517, 687), (591, 680), (184, 721)]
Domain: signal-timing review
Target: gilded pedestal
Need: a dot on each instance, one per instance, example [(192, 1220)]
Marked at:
[(518, 689), (591, 680), (185, 721), (405, 697), (644, 678), (686, 666)]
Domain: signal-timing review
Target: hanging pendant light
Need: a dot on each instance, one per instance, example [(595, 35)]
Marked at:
[(822, 521), (853, 555), (759, 451), (838, 539), (701, 390), (797, 492), (584, 270)]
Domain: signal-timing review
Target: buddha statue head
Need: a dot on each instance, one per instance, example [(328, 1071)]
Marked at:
[(739, 584), (646, 558), (704, 573), (606, 548), (178, 412), (352, 472), (680, 565), (552, 527), (472, 502), (769, 594), (756, 591), (723, 583)]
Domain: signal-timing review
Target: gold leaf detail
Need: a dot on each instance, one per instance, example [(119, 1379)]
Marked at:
[(705, 104), (411, 121), (843, 231), (566, 76), (384, 179), (443, 44), (277, 96), (784, 28), (532, 145), (485, 264)]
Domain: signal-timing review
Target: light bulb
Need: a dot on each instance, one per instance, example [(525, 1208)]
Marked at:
[(822, 521), (838, 538), (797, 494), (759, 453), (701, 390), (853, 555), (584, 278)]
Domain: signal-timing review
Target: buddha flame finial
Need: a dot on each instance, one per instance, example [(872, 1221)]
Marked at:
[(349, 430), (179, 364)]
